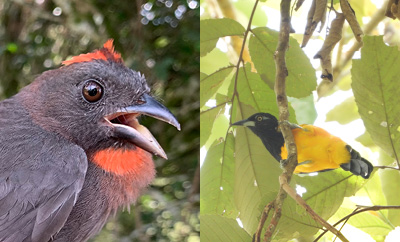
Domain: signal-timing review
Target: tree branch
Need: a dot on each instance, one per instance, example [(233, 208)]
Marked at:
[(357, 211), (291, 162), (280, 91), (289, 190)]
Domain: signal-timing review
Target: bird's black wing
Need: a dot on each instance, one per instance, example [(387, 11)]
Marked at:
[(41, 175)]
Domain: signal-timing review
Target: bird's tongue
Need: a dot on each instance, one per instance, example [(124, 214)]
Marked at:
[(131, 130), (127, 127)]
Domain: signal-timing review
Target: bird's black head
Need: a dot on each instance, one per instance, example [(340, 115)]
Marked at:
[(260, 123), (265, 126), (95, 101)]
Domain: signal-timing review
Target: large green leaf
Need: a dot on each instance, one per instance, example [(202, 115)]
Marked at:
[(376, 87), (217, 179), (325, 194), (215, 60), (207, 120), (344, 113), (254, 92), (209, 84), (370, 222), (256, 174), (212, 29), (390, 186), (216, 228), (259, 18), (301, 80), (305, 109)]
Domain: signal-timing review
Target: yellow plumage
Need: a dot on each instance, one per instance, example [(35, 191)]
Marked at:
[(318, 149)]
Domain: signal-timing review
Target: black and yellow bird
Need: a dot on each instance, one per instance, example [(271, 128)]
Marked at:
[(317, 150)]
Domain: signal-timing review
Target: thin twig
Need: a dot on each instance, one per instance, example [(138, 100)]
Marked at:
[(387, 167), (246, 33), (289, 190), (264, 216), (371, 208)]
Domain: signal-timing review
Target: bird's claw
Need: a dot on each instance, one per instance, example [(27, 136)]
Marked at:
[(283, 163), (291, 125)]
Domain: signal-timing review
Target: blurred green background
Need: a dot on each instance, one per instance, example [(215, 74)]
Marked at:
[(159, 38)]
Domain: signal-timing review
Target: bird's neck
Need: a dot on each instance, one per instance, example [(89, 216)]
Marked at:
[(273, 141), (120, 161), (127, 171)]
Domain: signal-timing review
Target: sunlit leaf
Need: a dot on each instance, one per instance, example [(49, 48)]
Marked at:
[(259, 18), (390, 187), (370, 222), (376, 90), (255, 92), (301, 79), (217, 180), (365, 139), (325, 194), (209, 84), (220, 229), (218, 131), (215, 60), (212, 29), (344, 113), (304, 108), (207, 119)]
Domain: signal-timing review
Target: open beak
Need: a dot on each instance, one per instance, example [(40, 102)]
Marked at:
[(127, 127)]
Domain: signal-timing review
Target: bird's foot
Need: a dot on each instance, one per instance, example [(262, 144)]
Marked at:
[(283, 163), (291, 125)]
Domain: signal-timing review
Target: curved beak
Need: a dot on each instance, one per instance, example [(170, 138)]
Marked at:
[(127, 127)]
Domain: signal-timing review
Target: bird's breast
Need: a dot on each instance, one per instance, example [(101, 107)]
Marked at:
[(318, 149)]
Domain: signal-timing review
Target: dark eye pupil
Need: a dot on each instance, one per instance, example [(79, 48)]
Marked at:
[(92, 91)]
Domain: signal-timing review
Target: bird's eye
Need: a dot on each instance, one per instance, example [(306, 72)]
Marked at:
[(92, 91), (259, 118)]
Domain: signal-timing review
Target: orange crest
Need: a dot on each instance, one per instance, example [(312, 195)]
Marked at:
[(106, 53)]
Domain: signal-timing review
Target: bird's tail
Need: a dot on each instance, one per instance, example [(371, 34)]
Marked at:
[(357, 165)]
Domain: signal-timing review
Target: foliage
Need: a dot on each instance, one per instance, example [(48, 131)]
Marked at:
[(238, 176), (158, 38)]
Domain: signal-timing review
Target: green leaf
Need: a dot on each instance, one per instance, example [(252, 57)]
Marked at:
[(259, 18), (255, 93), (365, 139), (305, 109), (344, 113), (207, 119), (219, 129), (212, 29), (215, 60), (216, 228), (217, 180), (209, 85), (256, 174), (370, 222), (390, 185), (301, 80), (376, 90), (325, 193)]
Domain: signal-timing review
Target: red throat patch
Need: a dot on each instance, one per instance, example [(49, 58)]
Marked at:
[(106, 53), (123, 162)]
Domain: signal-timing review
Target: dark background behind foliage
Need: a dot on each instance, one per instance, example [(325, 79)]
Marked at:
[(159, 38)]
